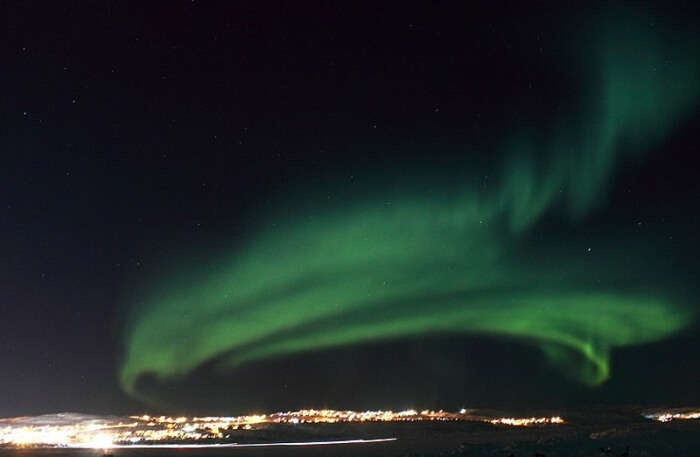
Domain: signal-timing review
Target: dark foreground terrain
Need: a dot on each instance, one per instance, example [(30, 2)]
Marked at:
[(611, 432)]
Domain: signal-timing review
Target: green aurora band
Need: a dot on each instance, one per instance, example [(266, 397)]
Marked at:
[(445, 261)]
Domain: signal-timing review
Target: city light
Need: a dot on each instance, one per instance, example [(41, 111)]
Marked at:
[(668, 416), (525, 421), (81, 431)]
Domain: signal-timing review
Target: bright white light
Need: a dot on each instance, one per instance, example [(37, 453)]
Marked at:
[(291, 443)]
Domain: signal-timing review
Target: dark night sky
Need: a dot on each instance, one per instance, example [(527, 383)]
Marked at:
[(136, 134)]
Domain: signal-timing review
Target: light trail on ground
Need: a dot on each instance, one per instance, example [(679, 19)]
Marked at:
[(235, 445)]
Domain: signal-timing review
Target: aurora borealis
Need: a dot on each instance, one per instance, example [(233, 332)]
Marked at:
[(434, 252), (232, 208)]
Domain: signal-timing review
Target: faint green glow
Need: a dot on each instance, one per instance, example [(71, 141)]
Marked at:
[(386, 266)]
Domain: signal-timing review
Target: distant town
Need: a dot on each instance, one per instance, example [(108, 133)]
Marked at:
[(102, 432), (75, 430)]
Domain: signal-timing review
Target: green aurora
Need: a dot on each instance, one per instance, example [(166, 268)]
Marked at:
[(431, 259)]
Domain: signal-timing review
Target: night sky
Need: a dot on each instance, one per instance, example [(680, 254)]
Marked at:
[(224, 207)]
